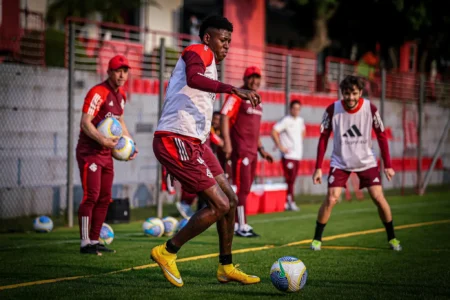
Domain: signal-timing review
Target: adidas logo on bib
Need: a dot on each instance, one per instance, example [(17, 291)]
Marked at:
[(352, 132)]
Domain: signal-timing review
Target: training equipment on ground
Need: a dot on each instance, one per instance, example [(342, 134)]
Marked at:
[(182, 223), (170, 225), (106, 234), (288, 274), (110, 128), (153, 227), (124, 149), (43, 224)]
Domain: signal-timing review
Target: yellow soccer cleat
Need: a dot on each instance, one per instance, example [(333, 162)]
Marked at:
[(166, 262), (229, 273)]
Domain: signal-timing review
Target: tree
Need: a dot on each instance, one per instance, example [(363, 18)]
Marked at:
[(323, 11), (388, 23), (111, 10)]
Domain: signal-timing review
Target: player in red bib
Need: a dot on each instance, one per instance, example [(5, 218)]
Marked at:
[(93, 153), (180, 145), (352, 121), (240, 129)]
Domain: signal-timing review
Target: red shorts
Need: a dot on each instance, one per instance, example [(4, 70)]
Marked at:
[(290, 169), (193, 164), (369, 177)]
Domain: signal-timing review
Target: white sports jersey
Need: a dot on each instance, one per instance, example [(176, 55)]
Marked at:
[(187, 111), (291, 136), (352, 141)]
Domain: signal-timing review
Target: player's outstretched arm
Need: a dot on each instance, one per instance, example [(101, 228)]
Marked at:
[(252, 96), (196, 63)]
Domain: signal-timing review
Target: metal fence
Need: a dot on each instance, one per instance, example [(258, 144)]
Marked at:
[(42, 107), (34, 140)]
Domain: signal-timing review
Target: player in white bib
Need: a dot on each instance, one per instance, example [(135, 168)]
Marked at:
[(179, 145), (352, 121)]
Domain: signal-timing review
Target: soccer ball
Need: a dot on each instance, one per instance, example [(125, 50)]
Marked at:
[(288, 274), (153, 227), (170, 225), (106, 234), (43, 224), (182, 223), (110, 128), (124, 149)]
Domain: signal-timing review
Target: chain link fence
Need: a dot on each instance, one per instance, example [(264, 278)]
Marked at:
[(34, 141), (35, 135)]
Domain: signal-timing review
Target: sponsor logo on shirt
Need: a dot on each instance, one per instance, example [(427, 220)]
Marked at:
[(110, 114), (352, 134), (254, 111)]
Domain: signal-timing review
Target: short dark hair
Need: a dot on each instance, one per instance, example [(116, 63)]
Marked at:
[(295, 101), (350, 81), (215, 113), (217, 22)]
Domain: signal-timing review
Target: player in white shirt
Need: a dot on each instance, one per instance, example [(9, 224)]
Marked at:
[(288, 135), (352, 120)]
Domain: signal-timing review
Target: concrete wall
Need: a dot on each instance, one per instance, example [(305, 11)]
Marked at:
[(33, 141)]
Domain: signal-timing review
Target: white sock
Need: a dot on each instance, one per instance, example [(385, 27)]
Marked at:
[(94, 242), (289, 199), (85, 242), (241, 217)]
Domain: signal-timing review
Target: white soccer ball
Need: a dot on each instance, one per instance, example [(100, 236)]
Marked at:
[(170, 225), (43, 224), (124, 149), (153, 227), (110, 128), (288, 274), (106, 234)]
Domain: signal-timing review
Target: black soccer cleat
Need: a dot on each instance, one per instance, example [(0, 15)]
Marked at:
[(90, 249), (248, 233), (103, 248)]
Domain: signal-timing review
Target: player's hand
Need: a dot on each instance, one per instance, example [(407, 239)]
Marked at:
[(136, 151), (227, 149), (266, 156), (317, 176), (389, 172), (284, 150), (253, 96), (109, 142)]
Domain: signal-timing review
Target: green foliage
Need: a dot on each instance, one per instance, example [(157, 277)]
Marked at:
[(54, 48), (111, 10), (323, 8)]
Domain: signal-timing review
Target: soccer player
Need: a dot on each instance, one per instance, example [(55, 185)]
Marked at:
[(240, 129), (179, 145), (214, 141), (352, 121), (93, 153), (288, 135)]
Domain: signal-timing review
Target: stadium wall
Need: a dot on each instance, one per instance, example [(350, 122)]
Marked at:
[(34, 142)]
